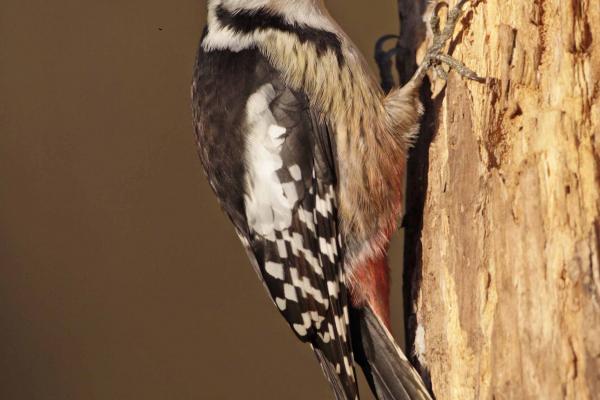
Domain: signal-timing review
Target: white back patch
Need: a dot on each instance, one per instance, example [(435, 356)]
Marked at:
[(269, 202)]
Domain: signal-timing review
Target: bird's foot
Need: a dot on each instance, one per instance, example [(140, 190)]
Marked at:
[(434, 58)]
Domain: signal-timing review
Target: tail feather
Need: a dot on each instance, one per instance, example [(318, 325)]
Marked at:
[(342, 390), (388, 371)]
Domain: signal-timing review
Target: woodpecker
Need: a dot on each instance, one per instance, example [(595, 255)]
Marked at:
[(306, 155)]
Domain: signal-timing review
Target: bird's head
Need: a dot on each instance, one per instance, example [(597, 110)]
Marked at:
[(304, 12)]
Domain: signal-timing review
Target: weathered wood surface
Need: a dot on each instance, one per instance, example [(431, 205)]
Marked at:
[(503, 205)]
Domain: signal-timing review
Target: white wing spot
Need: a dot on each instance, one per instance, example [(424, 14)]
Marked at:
[(340, 327), (296, 172), (306, 319), (317, 319), (307, 218), (281, 250), (281, 303), (300, 329), (290, 292), (324, 205), (331, 331), (275, 270), (327, 249), (348, 367), (326, 338), (333, 288), (306, 322)]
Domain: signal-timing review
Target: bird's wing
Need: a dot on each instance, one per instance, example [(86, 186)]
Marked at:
[(293, 227), (270, 160)]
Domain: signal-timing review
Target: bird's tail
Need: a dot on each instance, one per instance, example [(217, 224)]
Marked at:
[(390, 374)]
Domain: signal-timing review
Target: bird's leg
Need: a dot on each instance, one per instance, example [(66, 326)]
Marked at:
[(434, 56), (434, 22)]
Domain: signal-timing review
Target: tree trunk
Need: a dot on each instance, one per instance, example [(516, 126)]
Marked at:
[(503, 229)]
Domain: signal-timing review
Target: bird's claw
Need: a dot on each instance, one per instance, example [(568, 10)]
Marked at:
[(458, 66), (434, 57)]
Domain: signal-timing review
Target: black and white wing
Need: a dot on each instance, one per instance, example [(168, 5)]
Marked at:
[(293, 225), (280, 192)]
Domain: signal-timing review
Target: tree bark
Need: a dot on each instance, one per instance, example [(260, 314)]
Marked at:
[(502, 252)]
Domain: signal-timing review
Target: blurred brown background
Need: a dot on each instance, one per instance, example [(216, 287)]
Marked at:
[(119, 276)]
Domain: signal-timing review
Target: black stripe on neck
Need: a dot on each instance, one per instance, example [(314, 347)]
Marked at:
[(248, 21)]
